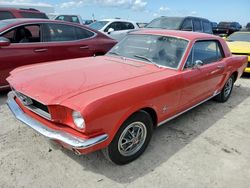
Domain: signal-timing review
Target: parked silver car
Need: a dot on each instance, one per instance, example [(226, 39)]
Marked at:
[(115, 28)]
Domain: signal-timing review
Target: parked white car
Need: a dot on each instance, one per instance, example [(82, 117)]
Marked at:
[(67, 18), (115, 28)]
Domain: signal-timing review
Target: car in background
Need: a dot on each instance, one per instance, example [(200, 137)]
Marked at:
[(182, 23), (114, 102), (248, 26), (28, 41), (239, 44), (11, 13), (115, 28), (227, 28), (67, 18)]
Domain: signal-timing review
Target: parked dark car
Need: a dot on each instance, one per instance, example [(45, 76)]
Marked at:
[(182, 23), (227, 28), (28, 41), (10, 13)]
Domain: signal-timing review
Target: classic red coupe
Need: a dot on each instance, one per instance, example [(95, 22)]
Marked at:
[(28, 41), (114, 102)]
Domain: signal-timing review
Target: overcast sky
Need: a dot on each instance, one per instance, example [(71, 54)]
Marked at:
[(146, 10)]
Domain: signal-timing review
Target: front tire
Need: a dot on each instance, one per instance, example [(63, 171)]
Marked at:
[(131, 140), (226, 91)]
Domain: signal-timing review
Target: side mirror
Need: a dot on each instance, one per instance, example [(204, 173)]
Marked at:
[(198, 64), (4, 42), (110, 30)]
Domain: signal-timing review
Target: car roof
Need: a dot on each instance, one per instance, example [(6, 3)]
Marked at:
[(20, 9), (13, 22), (112, 20), (30, 20), (176, 33), (183, 17)]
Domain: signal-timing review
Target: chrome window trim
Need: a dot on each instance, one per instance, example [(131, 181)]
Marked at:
[(34, 23), (190, 108)]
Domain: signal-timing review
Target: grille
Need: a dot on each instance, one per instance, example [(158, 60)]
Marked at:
[(33, 105)]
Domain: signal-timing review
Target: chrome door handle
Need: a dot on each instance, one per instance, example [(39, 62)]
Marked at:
[(41, 50), (84, 47)]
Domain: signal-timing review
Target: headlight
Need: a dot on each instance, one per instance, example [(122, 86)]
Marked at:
[(78, 120)]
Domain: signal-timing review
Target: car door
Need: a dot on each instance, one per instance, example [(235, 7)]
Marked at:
[(63, 41), (203, 72), (25, 41)]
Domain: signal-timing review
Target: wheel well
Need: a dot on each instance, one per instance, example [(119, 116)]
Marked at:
[(235, 74), (152, 114)]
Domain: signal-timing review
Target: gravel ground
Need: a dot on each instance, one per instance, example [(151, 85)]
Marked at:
[(205, 147)]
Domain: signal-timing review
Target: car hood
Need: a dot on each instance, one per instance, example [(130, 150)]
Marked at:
[(54, 82), (239, 47)]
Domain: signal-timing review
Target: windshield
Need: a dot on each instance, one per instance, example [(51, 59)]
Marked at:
[(245, 37), (159, 50), (166, 23), (98, 25)]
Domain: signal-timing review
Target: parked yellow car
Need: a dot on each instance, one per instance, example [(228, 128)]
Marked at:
[(239, 44)]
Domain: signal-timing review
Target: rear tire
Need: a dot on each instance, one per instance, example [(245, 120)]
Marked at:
[(131, 140), (226, 91)]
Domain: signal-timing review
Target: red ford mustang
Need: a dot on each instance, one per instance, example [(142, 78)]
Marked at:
[(114, 102), (28, 41)]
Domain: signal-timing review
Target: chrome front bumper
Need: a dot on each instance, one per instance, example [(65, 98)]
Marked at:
[(72, 141)]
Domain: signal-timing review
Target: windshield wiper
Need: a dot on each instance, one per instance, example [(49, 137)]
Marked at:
[(147, 59)]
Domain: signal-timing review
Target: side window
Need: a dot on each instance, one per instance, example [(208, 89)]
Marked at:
[(127, 26), (6, 15), (205, 51), (59, 32), (117, 26), (207, 27), (75, 19), (187, 25), (83, 33), (24, 34), (197, 25)]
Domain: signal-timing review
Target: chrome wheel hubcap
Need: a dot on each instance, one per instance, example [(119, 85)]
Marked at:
[(132, 139), (228, 87)]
